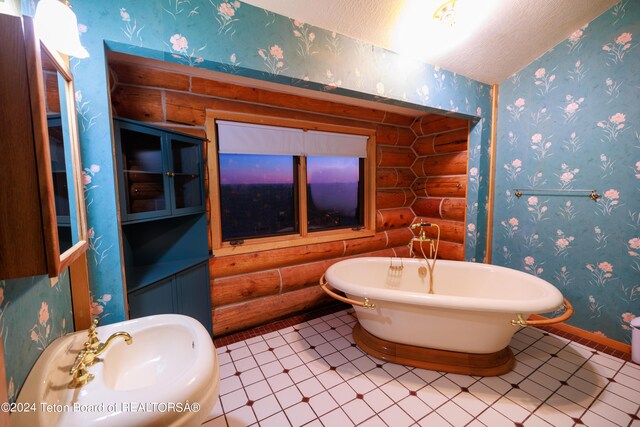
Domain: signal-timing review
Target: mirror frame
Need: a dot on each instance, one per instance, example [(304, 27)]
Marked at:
[(56, 262)]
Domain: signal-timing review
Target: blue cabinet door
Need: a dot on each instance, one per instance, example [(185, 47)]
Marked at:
[(194, 294), (158, 298), (186, 166)]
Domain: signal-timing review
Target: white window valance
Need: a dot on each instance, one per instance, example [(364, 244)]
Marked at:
[(248, 138)]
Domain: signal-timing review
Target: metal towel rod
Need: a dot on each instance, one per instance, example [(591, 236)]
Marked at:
[(519, 192)]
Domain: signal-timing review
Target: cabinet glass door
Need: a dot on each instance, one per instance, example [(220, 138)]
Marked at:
[(144, 177), (186, 172)]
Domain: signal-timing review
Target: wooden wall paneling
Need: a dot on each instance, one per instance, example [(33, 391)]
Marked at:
[(131, 74), (427, 206), (423, 145), (433, 123), (441, 186), (236, 317), (389, 156), (386, 177), (234, 289), (398, 237), (452, 231), (453, 141), (453, 209), (401, 251), (80, 296), (387, 135), (405, 137), (257, 261), (394, 198), (394, 218), (441, 164), (138, 103), (451, 251), (367, 244), (304, 275)]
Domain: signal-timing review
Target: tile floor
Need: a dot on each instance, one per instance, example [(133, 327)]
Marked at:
[(312, 374)]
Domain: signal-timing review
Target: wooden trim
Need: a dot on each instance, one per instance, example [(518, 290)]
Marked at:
[(581, 333), (302, 197), (492, 172), (466, 194), (4, 397), (288, 241), (303, 237), (41, 141), (80, 296), (73, 253), (490, 364)]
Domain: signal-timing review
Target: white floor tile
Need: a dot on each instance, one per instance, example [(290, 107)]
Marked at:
[(310, 387), (395, 390), (258, 390), (610, 413), (271, 369), (340, 343), (431, 396), (283, 351), (251, 376), (565, 365), (608, 361), (364, 363), (258, 347), (221, 421), (446, 387), (535, 389), (240, 353), (484, 393), (266, 407), (413, 382), (565, 406), (461, 380), (289, 396), (245, 364), (592, 419), (619, 402), (308, 355), (545, 380), (378, 376), (277, 420), (510, 409), (470, 403), (596, 369), (233, 400), (631, 369), (434, 420), (575, 395), (330, 379), (229, 384), (335, 359), (227, 370), (315, 340), (290, 362), (300, 414), (394, 370), (374, 422), (300, 374), (623, 391), (357, 410), (348, 371), (279, 382), (554, 416), (377, 400), (361, 384), (493, 418), (265, 357), (323, 403), (523, 399), (325, 349), (342, 393), (427, 375), (535, 421), (454, 414), (497, 384), (415, 407), (336, 418), (318, 366), (351, 353), (627, 381), (588, 387), (396, 417)]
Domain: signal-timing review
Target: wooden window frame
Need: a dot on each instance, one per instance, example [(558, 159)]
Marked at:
[(303, 237)]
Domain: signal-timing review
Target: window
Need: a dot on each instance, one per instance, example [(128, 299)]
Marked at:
[(277, 182)]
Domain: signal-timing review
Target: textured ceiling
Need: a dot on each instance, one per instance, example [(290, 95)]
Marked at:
[(487, 44)]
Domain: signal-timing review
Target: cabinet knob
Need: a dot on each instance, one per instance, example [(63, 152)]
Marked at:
[(171, 174)]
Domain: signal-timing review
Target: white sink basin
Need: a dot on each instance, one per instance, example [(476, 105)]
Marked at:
[(168, 376)]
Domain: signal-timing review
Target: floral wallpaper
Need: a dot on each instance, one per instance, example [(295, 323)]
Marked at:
[(570, 121), (237, 38), (34, 311)]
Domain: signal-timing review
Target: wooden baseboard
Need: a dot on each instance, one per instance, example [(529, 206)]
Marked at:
[(578, 334)]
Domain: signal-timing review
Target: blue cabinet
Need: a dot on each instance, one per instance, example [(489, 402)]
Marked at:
[(164, 224), (186, 292), (160, 172)]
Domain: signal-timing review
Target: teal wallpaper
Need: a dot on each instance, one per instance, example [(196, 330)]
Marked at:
[(570, 120), (33, 313), (234, 37)]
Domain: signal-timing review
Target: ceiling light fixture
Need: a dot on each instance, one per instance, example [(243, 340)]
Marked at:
[(57, 27), (445, 13)]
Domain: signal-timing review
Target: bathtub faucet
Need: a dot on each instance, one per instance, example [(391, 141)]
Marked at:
[(422, 238)]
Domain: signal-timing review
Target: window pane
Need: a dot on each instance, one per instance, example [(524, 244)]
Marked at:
[(334, 192), (257, 196)]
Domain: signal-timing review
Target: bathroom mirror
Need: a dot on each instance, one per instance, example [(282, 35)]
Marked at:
[(58, 157)]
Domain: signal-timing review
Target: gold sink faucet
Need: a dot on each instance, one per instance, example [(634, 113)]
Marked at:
[(89, 355), (433, 250)]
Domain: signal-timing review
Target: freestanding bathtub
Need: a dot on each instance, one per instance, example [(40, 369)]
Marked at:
[(469, 316)]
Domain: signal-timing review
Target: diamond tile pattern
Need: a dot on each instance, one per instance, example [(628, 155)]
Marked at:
[(312, 374)]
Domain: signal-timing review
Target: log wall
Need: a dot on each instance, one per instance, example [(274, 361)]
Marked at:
[(256, 288), (440, 187)]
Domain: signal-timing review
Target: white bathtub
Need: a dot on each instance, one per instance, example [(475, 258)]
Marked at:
[(470, 311)]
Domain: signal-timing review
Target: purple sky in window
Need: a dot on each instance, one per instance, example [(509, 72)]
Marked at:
[(261, 169)]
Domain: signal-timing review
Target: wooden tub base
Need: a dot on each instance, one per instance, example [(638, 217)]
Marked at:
[(487, 365)]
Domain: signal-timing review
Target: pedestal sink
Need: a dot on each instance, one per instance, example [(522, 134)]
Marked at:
[(168, 376)]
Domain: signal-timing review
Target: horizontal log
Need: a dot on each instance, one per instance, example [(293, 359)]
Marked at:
[(384, 253), (196, 131), (394, 177), (434, 123), (186, 108), (230, 290), (303, 275), (447, 142), (427, 206), (441, 186), (366, 244), (453, 141), (401, 251), (387, 135), (395, 156), (453, 209), (132, 74), (231, 265), (451, 251), (259, 311), (399, 237), (406, 137), (394, 198), (137, 103), (388, 219), (441, 164), (452, 231)]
